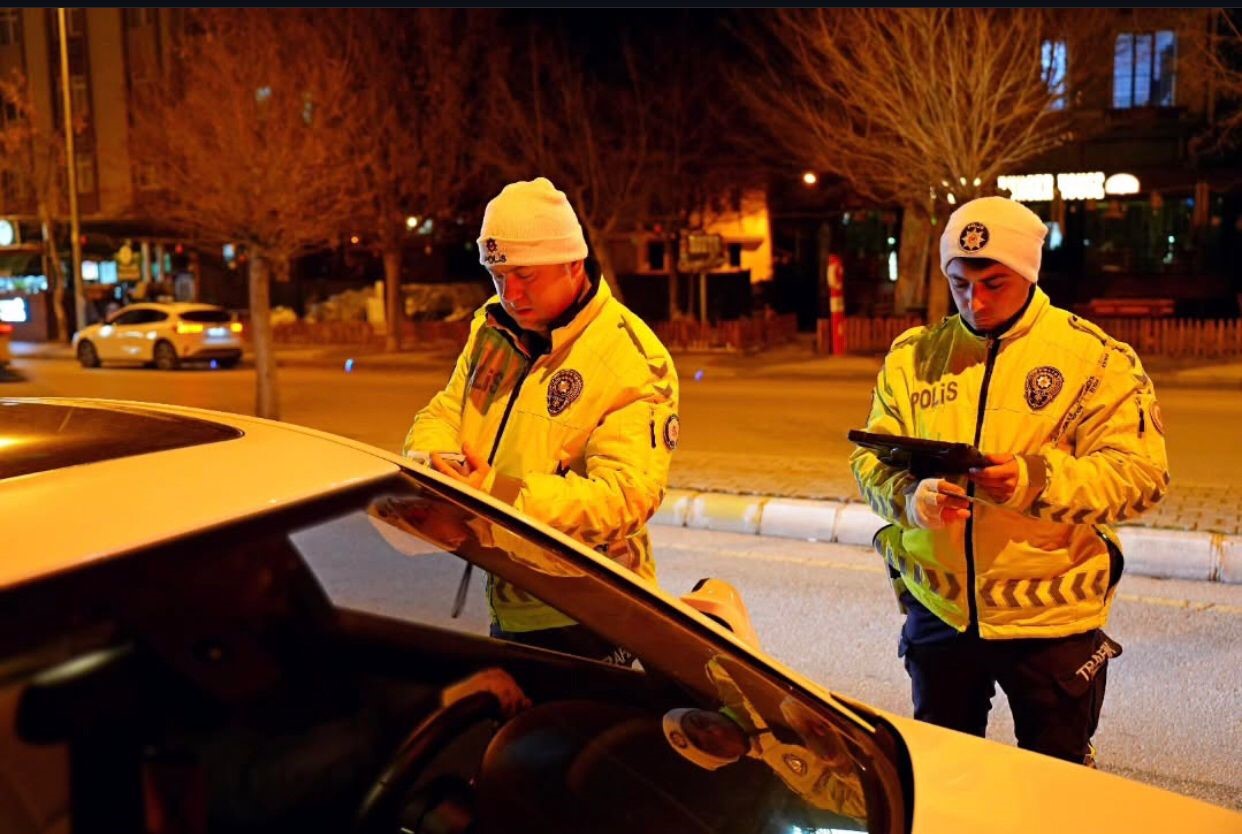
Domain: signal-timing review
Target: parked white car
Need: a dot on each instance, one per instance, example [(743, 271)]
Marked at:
[(162, 334)]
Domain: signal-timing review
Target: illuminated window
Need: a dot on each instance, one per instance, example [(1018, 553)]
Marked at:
[(85, 169), (1053, 61), (10, 26), (75, 21), (80, 96), (1144, 69)]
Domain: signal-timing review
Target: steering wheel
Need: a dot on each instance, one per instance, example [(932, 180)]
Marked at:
[(378, 812)]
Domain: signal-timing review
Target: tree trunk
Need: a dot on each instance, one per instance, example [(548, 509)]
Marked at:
[(392, 298), (267, 403), (604, 257), (56, 278), (910, 294)]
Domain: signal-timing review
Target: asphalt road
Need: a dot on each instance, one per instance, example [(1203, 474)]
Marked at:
[(724, 417)]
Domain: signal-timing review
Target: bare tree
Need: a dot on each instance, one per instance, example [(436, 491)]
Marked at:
[(417, 70), (921, 107), (1222, 59), (247, 141), (695, 164), (32, 161), (548, 116)]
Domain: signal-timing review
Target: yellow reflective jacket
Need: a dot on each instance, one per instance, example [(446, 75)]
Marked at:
[(579, 431), (1081, 415)]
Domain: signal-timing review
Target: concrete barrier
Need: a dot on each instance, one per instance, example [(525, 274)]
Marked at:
[(856, 524), (1160, 553), (1230, 548), (1169, 554), (798, 518), (726, 513), (675, 509)]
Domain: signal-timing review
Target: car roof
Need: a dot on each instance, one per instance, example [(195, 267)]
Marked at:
[(172, 306), (57, 518)]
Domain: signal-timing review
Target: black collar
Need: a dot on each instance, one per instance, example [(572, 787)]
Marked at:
[(536, 344), (1003, 328)]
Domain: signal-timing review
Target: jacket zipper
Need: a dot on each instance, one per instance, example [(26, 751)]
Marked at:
[(517, 389), (973, 624)]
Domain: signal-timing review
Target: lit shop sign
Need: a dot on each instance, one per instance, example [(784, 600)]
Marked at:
[(13, 310), (1087, 185)]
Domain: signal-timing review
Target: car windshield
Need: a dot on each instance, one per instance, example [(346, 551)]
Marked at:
[(809, 768), (207, 316), (699, 736)]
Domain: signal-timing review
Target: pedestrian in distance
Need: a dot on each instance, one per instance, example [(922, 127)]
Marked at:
[(1006, 573)]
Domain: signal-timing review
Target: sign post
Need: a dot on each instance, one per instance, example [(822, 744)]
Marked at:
[(701, 253), (836, 303)]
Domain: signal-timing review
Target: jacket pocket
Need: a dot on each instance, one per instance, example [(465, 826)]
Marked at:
[(1076, 681)]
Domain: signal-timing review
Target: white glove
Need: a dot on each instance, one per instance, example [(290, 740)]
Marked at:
[(936, 503)]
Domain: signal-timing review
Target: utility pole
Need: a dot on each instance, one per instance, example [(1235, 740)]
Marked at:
[(79, 298)]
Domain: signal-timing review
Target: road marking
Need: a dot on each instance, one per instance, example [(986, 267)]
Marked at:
[(812, 562)]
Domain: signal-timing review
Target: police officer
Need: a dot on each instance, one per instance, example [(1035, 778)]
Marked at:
[(563, 402), (1006, 575)]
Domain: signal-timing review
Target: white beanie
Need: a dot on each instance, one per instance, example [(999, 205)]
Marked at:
[(530, 223), (676, 735), (997, 228)]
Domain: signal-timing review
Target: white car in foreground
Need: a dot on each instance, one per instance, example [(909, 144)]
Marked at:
[(164, 335), (210, 622)]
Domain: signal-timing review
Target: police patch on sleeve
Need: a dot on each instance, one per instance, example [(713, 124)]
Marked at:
[(1042, 386), (974, 237), (564, 387), (672, 432)]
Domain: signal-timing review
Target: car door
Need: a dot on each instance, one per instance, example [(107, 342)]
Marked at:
[(135, 338), (109, 338)]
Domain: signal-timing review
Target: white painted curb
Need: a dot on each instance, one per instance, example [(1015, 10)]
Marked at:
[(725, 512), (1169, 554), (675, 508), (1154, 552), (1230, 559), (798, 518), (856, 524)]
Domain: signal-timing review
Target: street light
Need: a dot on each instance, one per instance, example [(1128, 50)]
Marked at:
[(809, 178), (79, 298)]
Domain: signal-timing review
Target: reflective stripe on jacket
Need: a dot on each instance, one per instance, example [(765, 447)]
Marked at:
[(1077, 408), (579, 431)]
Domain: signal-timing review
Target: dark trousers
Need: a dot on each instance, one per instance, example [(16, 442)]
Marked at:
[(1055, 687), (575, 640)]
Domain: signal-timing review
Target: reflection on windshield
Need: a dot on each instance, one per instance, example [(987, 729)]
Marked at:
[(813, 763), (787, 762)]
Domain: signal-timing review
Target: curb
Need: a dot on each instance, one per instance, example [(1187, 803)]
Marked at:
[(1153, 552)]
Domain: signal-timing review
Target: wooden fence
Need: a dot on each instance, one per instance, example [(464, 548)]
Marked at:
[(1173, 338), (413, 333), (743, 334)]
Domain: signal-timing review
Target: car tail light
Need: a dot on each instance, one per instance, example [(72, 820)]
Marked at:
[(184, 327), (236, 327), (5, 329)]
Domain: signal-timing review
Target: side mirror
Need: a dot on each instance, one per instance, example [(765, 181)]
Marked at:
[(722, 602)]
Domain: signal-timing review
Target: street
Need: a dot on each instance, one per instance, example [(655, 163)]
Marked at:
[(1171, 716)]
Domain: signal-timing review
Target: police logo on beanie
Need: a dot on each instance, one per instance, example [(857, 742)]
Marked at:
[(563, 389), (1042, 386), (974, 237), (493, 256)]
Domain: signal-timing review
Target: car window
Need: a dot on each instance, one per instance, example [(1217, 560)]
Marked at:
[(805, 767), (207, 316), (130, 317), (45, 436)]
